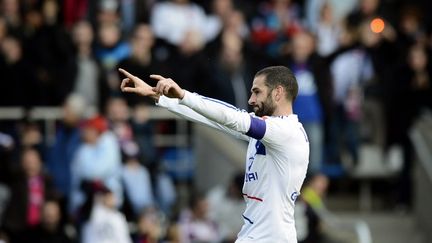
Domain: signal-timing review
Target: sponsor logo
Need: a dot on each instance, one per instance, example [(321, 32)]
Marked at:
[(252, 176), (294, 196)]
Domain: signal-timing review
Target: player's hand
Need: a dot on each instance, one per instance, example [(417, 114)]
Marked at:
[(133, 84), (167, 87)]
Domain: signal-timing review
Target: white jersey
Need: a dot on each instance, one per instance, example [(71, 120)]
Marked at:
[(276, 163)]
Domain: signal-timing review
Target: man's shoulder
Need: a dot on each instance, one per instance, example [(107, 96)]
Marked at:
[(290, 120)]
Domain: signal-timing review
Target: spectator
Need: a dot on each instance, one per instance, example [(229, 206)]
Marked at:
[(224, 203), (106, 12), (144, 131), (110, 50), (118, 115), (327, 31), (31, 136), (313, 11), (50, 11), (173, 233), (419, 62), (97, 159), (410, 30), (137, 185), (142, 60), (134, 12), (313, 104), (235, 22), (165, 192), (7, 143), (17, 71), (74, 11), (51, 228), (130, 143), (143, 10), (183, 48), (384, 56), (195, 225), (66, 144), (232, 71), (150, 228), (174, 20), (349, 92), (10, 9), (189, 64), (412, 80), (366, 10), (225, 17), (162, 184), (29, 189), (88, 75), (277, 22), (219, 10), (105, 224), (49, 50), (183, 30)]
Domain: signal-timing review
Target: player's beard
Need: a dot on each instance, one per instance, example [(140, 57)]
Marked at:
[(267, 107)]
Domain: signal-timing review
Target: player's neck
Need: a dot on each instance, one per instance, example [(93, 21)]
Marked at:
[(283, 110)]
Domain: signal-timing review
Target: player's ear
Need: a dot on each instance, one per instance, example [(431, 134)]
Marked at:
[(279, 92)]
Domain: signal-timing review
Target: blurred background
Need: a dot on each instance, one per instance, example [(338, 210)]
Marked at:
[(82, 162)]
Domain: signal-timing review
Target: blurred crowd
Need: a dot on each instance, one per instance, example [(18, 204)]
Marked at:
[(363, 66)]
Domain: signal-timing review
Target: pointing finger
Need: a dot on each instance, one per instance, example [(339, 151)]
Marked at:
[(156, 76), (126, 73)]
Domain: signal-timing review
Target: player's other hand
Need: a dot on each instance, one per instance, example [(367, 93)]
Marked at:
[(133, 84), (167, 87)]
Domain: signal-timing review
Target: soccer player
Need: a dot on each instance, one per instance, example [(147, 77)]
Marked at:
[(278, 151)]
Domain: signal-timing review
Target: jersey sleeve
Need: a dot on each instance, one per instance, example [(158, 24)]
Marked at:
[(270, 130), (174, 106), (218, 111)]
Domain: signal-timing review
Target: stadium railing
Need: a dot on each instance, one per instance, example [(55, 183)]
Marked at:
[(347, 230), (50, 115)]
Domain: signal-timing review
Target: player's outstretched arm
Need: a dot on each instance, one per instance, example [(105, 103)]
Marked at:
[(216, 111), (199, 109), (133, 84)]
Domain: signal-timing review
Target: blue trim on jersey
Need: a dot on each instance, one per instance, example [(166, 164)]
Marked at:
[(251, 159), (260, 148), (257, 128), (220, 102), (248, 219)]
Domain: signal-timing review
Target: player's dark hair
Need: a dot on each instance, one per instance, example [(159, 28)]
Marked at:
[(280, 75)]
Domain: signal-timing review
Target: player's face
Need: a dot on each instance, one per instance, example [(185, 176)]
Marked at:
[(261, 98)]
